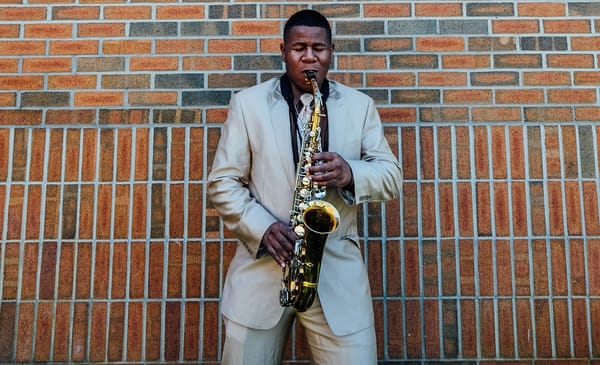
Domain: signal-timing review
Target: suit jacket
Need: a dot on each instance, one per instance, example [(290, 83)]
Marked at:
[(251, 186)]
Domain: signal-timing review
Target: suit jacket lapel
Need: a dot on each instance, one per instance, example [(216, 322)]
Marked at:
[(281, 129), (336, 115)]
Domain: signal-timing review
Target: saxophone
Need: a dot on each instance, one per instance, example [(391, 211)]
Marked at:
[(311, 218)]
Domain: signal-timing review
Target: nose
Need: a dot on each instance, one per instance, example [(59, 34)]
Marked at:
[(309, 55)]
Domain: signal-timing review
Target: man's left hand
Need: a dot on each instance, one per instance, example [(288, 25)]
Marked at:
[(330, 169)]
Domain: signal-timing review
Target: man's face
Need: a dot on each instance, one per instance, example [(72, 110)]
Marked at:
[(306, 49)]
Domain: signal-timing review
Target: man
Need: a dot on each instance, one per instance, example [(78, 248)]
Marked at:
[(251, 186)]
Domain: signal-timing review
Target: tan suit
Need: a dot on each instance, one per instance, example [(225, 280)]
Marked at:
[(251, 186)]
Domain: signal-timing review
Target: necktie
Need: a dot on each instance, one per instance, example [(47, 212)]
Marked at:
[(305, 113)]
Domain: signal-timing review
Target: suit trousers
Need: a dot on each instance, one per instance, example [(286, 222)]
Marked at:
[(247, 346)]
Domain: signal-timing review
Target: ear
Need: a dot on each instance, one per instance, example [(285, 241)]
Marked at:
[(282, 50)]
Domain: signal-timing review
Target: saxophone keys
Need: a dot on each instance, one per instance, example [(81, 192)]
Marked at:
[(299, 230)]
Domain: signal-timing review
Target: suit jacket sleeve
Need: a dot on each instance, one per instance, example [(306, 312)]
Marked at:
[(377, 174), (228, 183)]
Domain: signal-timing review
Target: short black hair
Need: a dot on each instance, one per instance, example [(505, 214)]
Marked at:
[(309, 18)]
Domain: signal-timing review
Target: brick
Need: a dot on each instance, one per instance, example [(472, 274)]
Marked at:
[(131, 81), (572, 96), (585, 43), (257, 62), (83, 270), (120, 12), (472, 96), (180, 12), (442, 79), (240, 11), (103, 98), (369, 27), (496, 114), (65, 271), (55, 64), (518, 61), (571, 61), (516, 26), (179, 46), (543, 9), (127, 46), (205, 98), (388, 10), (45, 99), (490, 10), (62, 325), (525, 341), (431, 331), (586, 113), (121, 213), (32, 223), (9, 31), (413, 329), (428, 228), (544, 43), (206, 63), (465, 61), (9, 65), (386, 44), (69, 215), (533, 114), (152, 98), (22, 48), (153, 29), (494, 79), (73, 47), (21, 82), (412, 27), (75, 12), (13, 13), (413, 96), (520, 96), (504, 43), (8, 99), (230, 80), (212, 28), (438, 10), (547, 78), (460, 26), (469, 328), (553, 154), (43, 332), (103, 64), (116, 328), (583, 9), (448, 267), (101, 30), (586, 77), (579, 325), (153, 329), (25, 321), (411, 269), (15, 212), (573, 26), (54, 30), (339, 10), (505, 329), (395, 115), (232, 45), (98, 331), (258, 27), (10, 273), (70, 82)]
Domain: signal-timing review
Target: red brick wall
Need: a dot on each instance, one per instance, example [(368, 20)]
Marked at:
[(110, 113)]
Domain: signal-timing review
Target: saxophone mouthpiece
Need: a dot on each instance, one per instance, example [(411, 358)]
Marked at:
[(310, 75)]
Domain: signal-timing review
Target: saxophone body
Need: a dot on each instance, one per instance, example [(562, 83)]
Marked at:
[(311, 218)]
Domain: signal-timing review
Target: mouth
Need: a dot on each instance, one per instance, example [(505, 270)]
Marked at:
[(309, 74)]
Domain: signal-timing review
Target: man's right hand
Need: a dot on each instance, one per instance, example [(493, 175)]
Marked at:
[(279, 241)]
